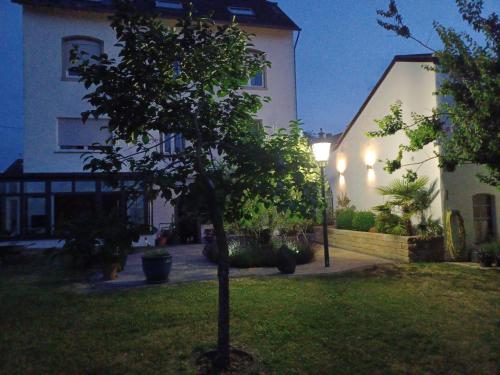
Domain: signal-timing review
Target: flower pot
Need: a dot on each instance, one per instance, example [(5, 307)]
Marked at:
[(110, 271), (156, 268), (286, 261)]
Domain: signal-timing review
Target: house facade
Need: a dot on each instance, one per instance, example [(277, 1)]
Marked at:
[(356, 165), (51, 185)]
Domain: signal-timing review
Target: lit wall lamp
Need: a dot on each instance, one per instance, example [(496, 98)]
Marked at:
[(341, 167), (370, 159)]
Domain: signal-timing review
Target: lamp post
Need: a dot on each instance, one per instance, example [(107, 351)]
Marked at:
[(321, 151)]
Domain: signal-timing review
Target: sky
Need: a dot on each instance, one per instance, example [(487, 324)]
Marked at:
[(341, 54)]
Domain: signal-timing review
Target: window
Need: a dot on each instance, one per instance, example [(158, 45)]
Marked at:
[(177, 69), (241, 11), (135, 210), (484, 217), (85, 186), (258, 80), (37, 215), (92, 47), (167, 143), (34, 187), (10, 216), (169, 4), (9, 187), (258, 126), (61, 186), (73, 134), (179, 143)]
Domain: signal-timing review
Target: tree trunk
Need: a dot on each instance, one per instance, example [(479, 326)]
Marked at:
[(222, 359), (409, 227)]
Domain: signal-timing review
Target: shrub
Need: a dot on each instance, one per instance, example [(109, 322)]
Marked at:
[(387, 222), (344, 218), (363, 221), (491, 247), (245, 253)]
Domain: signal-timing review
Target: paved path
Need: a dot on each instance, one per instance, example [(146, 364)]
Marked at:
[(189, 264)]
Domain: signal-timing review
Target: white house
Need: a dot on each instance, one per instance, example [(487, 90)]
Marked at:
[(356, 170), (49, 185)]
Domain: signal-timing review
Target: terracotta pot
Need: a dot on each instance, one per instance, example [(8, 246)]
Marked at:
[(110, 271)]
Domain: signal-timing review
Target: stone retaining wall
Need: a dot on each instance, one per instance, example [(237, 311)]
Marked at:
[(398, 248)]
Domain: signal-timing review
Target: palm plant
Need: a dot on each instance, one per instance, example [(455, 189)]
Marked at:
[(410, 197)]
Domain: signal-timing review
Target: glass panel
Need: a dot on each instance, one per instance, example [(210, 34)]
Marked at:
[(37, 215), (105, 187), (61, 186), (179, 143), (257, 80), (10, 216), (85, 186), (69, 207), (133, 185), (34, 187), (135, 209), (9, 187)]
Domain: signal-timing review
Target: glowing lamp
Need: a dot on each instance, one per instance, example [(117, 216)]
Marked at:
[(370, 159)]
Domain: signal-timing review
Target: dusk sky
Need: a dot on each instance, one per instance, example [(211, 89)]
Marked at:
[(341, 54)]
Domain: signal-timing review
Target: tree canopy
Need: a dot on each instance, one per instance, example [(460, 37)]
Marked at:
[(187, 80), (467, 127)]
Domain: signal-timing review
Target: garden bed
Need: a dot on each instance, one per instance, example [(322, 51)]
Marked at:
[(247, 252), (398, 248)]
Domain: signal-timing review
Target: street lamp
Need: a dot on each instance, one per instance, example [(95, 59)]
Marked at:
[(321, 151)]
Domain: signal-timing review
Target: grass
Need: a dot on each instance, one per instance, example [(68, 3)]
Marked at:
[(408, 319)]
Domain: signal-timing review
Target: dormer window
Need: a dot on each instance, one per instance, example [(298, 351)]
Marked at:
[(169, 4), (241, 11)]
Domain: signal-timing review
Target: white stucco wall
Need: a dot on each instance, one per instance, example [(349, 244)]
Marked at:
[(410, 83), (48, 97)]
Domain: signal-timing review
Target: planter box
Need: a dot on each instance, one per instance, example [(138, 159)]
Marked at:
[(399, 248)]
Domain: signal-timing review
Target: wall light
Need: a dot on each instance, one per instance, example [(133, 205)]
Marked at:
[(341, 180), (370, 159), (341, 165)]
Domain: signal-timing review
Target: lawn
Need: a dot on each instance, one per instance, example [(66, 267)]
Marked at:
[(407, 319)]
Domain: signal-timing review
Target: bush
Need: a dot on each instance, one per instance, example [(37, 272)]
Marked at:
[(363, 221), (387, 222), (246, 253), (491, 247), (344, 218)]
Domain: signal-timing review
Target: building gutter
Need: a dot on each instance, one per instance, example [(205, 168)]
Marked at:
[(295, 72)]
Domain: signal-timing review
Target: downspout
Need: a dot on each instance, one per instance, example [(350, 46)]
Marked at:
[(295, 72)]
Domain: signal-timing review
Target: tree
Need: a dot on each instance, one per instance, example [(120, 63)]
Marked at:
[(409, 196), (187, 80), (467, 128)]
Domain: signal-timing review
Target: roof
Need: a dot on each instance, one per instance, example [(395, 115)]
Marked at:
[(267, 14), (422, 58), (15, 169)]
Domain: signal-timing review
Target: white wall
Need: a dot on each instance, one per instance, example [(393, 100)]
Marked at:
[(47, 96), (410, 83)]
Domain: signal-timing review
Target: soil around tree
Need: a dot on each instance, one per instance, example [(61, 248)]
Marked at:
[(241, 362)]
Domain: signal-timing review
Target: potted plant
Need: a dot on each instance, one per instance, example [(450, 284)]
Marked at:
[(485, 258), (490, 253), (156, 265), (286, 261), (111, 263)]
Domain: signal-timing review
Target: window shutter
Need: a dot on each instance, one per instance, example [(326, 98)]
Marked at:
[(74, 134)]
